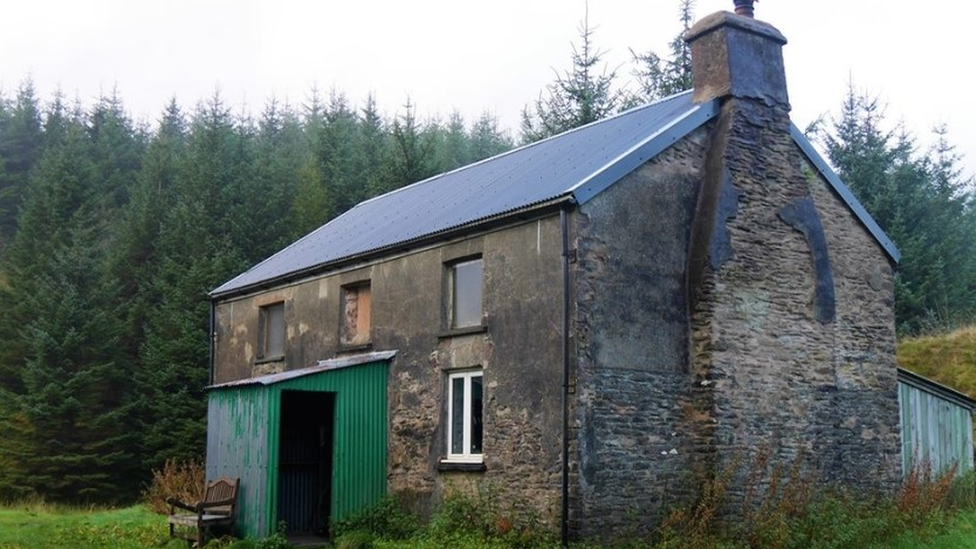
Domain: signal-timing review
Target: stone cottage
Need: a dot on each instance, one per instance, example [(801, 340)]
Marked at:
[(578, 324)]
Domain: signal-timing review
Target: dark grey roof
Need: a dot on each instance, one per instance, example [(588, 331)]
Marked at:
[(577, 165), (572, 166)]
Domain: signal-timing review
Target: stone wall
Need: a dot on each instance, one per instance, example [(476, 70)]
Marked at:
[(631, 329), (793, 327), (520, 350)]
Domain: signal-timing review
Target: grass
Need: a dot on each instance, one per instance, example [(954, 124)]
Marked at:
[(911, 520), (42, 526), (949, 358), (960, 533)]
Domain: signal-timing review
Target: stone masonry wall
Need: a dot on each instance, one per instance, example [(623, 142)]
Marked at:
[(793, 323), (633, 442), (519, 349)]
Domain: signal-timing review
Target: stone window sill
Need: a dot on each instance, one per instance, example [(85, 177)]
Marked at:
[(266, 360), (454, 332), (348, 348), (466, 466)]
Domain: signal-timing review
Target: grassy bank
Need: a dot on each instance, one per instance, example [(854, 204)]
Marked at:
[(948, 358)]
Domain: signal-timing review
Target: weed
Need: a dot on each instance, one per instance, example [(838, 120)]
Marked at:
[(356, 539), (514, 524), (923, 497), (386, 519), (183, 480)]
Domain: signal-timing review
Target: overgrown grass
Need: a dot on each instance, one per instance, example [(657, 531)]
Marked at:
[(790, 514), (959, 533), (948, 358), (35, 525)]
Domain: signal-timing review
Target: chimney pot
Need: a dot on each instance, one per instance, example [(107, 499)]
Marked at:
[(744, 8)]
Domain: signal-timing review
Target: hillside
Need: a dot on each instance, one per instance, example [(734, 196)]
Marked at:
[(949, 359)]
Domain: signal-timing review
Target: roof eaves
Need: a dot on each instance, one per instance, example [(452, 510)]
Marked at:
[(909, 377), (219, 290), (845, 194), (373, 252), (645, 150)]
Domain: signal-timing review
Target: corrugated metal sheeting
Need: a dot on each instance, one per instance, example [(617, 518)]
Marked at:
[(238, 446), (936, 425), (246, 430), (579, 162)]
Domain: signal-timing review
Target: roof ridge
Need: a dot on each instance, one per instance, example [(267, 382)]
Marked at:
[(527, 146)]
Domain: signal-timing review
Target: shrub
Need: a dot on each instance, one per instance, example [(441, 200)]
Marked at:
[(386, 520), (784, 509), (183, 480), (514, 525), (924, 497), (962, 495)]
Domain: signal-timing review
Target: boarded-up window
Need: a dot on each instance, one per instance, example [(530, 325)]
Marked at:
[(271, 330), (466, 284), (356, 305)]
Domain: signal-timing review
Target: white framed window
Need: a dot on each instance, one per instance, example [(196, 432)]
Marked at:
[(271, 331), (466, 293), (465, 398)]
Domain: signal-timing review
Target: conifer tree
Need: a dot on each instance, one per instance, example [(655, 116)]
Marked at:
[(487, 139), (21, 144), (413, 148), (579, 96), (921, 203), (338, 156), (200, 244), (453, 145), (373, 144), (134, 259), (72, 443), (659, 77)]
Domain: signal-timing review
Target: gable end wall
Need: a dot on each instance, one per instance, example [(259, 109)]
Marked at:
[(793, 336), (631, 334)]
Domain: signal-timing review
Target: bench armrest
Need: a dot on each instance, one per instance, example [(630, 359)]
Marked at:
[(174, 503)]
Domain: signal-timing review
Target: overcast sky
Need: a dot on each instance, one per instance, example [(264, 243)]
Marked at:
[(470, 56)]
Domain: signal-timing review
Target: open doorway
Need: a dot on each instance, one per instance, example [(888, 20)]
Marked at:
[(305, 462)]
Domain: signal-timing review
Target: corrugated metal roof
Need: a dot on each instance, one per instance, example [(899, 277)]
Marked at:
[(576, 165), (320, 366), (943, 391)]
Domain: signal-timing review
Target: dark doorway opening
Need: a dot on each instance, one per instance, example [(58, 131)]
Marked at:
[(305, 462)]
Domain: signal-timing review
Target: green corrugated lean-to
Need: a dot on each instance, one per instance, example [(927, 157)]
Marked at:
[(246, 425)]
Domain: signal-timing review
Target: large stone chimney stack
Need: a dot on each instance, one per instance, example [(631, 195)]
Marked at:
[(790, 343), (738, 56)]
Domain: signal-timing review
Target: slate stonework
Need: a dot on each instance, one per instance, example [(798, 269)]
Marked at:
[(633, 442), (781, 380)]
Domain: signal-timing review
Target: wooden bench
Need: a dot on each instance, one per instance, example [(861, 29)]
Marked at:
[(216, 509)]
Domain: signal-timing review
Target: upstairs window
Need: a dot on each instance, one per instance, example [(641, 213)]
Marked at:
[(464, 416), (271, 330), (466, 292), (356, 306)]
